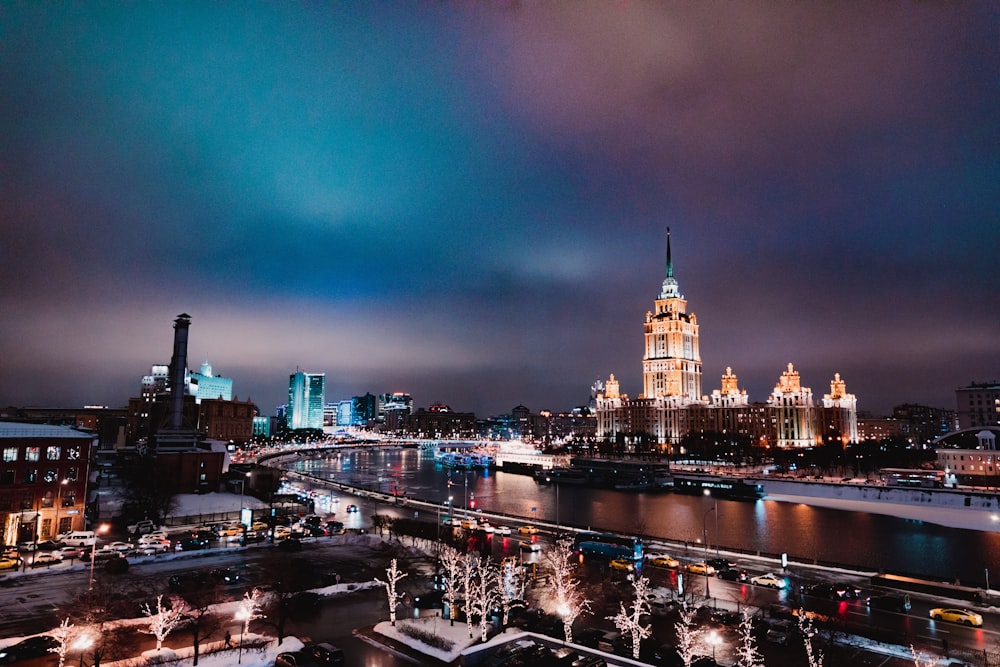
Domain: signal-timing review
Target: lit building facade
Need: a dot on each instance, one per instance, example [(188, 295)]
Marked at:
[(978, 405), (306, 400), (672, 405), (207, 385), (43, 480)]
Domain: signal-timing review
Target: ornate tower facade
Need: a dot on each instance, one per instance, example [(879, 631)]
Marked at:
[(671, 364)]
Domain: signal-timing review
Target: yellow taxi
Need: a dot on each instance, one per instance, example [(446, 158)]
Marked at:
[(528, 530), (952, 615), (664, 561), (623, 564), (8, 564), (701, 568)]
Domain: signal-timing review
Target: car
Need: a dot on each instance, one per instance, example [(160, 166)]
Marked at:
[(104, 553), (45, 559), (721, 563), (28, 545), (47, 545), (225, 575), (623, 564), (293, 659), (527, 530), (701, 568), (121, 547), (230, 531), (259, 526), (769, 580), (733, 574), (503, 530), (781, 632), (10, 552), (153, 548), (325, 654), (32, 647), (69, 552), (469, 524), (664, 561), (190, 544), (954, 615), (660, 607), (827, 591), (281, 532), (190, 581), (847, 591), (530, 546), (897, 603), (351, 509), (157, 541), (487, 528)]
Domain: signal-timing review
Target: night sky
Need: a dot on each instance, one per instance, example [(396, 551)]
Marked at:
[(469, 201)]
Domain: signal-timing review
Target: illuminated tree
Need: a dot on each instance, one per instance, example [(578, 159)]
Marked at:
[(164, 619), (469, 565), (569, 599), (510, 587), (483, 595), (921, 659), (62, 635), (451, 561), (813, 654), (687, 635), (747, 654), (628, 620), (393, 574)]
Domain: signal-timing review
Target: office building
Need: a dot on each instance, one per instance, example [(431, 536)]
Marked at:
[(305, 400)]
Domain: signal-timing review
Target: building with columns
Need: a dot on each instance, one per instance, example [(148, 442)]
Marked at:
[(672, 405)]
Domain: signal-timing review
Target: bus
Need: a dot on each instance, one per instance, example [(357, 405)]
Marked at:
[(608, 546), (916, 477)]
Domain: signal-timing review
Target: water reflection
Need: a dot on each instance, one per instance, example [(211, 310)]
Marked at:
[(868, 541)]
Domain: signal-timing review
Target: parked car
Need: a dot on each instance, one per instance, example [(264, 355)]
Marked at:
[(325, 655), (9, 564), (121, 547), (721, 563), (190, 544), (69, 552), (153, 548), (769, 580), (32, 647), (46, 558), (781, 632), (954, 615), (293, 659)]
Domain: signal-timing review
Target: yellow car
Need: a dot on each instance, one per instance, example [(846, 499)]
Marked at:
[(963, 616), (528, 530), (701, 568), (231, 531), (621, 564), (259, 526), (8, 564), (664, 561)]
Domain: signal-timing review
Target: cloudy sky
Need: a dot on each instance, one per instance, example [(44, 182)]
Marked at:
[(469, 201)]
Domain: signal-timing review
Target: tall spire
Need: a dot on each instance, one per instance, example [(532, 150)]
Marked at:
[(669, 289), (670, 264)]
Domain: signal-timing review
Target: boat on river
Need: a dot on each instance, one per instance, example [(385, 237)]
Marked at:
[(719, 486)]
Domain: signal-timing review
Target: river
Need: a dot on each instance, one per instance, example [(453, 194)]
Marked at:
[(858, 539)]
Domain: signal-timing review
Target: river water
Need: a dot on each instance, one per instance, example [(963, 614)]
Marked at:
[(858, 539)]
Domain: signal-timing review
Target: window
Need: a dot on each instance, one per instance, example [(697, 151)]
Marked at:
[(7, 477), (47, 528), (73, 453), (27, 500), (32, 453), (50, 476), (31, 476), (52, 453), (48, 500), (10, 453), (71, 474), (69, 500)]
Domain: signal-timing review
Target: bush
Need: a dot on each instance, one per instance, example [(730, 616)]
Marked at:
[(427, 637)]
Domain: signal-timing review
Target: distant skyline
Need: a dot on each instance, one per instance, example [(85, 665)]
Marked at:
[(469, 202)]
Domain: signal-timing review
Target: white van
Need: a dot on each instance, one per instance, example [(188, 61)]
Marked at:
[(77, 538)]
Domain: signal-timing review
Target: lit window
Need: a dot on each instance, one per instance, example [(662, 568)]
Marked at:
[(52, 453), (32, 453), (10, 453)]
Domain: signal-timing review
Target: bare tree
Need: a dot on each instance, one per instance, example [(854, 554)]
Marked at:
[(393, 574), (62, 635), (687, 635), (199, 619), (164, 619), (569, 599), (628, 621), (747, 654), (510, 587), (813, 654)]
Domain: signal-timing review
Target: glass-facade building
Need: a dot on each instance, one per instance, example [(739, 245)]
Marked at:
[(305, 400)]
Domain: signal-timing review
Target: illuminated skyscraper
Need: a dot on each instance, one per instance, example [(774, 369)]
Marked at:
[(305, 400)]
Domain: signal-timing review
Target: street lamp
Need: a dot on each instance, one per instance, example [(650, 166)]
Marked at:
[(714, 640), (82, 643), (103, 528), (243, 616), (704, 528)]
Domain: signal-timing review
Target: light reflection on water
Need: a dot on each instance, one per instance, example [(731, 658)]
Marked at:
[(867, 541)]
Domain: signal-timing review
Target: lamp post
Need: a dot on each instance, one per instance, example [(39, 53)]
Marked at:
[(82, 644), (243, 616), (714, 639), (704, 528), (103, 528)]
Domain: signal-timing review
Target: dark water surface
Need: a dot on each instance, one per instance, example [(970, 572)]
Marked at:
[(861, 540)]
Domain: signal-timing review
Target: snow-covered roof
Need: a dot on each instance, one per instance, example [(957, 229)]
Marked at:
[(25, 430)]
